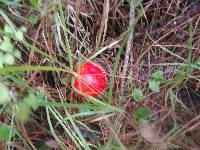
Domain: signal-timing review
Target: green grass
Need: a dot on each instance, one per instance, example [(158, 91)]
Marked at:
[(11, 72)]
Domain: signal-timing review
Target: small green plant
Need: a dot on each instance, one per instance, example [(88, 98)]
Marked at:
[(8, 53), (140, 115), (39, 10), (8, 56), (154, 84), (6, 132), (33, 19), (158, 76), (137, 94), (24, 107)]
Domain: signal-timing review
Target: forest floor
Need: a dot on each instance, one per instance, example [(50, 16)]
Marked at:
[(149, 51)]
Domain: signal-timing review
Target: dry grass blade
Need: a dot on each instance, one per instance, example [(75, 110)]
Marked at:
[(129, 42), (103, 27)]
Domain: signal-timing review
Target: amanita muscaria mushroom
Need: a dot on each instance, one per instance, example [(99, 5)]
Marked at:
[(90, 79)]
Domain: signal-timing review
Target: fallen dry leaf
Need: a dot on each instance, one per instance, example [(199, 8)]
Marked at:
[(150, 132)]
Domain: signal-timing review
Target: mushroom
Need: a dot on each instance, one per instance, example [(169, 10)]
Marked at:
[(91, 79)]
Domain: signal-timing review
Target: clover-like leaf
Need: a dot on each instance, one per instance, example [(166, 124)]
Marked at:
[(154, 86), (9, 59), (31, 100), (4, 94), (158, 75), (19, 35), (140, 115), (23, 111), (6, 45), (137, 94), (17, 54), (6, 132), (141, 112), (33, 19)]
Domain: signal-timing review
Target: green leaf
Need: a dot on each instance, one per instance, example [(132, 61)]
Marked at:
[(9, 59), (6, 131), (6, 45), (4, 94), (23, 111), (137, 94), (141, 112), (140, 115), (35, 4), (142, 121), (154, 86), (31, 100), (158, 75), (17, 54), (180, 79), (22, 29), (33, 19), (24, 107), (19, 35)]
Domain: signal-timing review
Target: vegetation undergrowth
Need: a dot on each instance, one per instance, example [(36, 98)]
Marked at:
[(148, 49)]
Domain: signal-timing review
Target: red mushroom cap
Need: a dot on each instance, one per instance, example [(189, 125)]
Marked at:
[(91, 79)]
